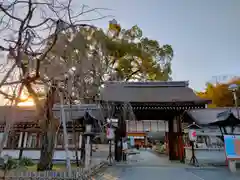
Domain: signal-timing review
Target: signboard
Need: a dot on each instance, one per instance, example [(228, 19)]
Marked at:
[(192, 135), (110, 133), (232, 146)]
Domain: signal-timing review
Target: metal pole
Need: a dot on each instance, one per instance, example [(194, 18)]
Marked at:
[(236, 103), (110, 152), (65, 135), (110, 144)]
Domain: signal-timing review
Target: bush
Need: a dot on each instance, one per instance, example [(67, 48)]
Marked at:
[(10, 164), (26, 162), (161, 148)]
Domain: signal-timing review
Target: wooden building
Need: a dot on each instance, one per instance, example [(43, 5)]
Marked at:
[(204, 117), (24, 138), (214, 123), (153, 101), (141, 130)]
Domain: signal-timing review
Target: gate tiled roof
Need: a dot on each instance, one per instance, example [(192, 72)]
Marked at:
[(172, 91)]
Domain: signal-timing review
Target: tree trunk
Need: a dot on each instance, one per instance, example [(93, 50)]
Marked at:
[(50, 129), (47, 150)]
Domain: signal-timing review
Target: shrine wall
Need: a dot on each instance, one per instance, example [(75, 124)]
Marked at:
[(147, 126)]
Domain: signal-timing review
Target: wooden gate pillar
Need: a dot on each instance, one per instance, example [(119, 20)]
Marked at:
[(175, 140), (120, 133), (171, 140), (118, 139), (180, 139)]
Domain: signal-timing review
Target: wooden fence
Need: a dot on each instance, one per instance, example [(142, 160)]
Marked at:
[(76, 174)]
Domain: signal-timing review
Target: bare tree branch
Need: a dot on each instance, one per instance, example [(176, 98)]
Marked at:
[(29, 38), (28, 43)]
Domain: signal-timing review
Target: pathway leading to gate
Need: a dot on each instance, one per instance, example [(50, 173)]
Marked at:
[(148, 165)]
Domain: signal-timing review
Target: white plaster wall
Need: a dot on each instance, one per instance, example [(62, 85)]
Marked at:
[(145, 125), (13, 153), (35, 154), (32, 154)]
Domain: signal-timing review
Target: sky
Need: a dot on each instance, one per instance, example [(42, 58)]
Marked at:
[(205, 34)]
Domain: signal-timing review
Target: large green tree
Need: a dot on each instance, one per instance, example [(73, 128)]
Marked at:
[(219, 94), (137, 57), (99, 56)]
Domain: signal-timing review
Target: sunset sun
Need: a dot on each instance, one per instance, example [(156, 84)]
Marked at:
[(29, 102)]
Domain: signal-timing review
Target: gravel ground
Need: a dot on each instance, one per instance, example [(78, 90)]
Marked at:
[(148, 165)]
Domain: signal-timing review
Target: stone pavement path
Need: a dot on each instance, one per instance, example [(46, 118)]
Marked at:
[(148, 165)]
